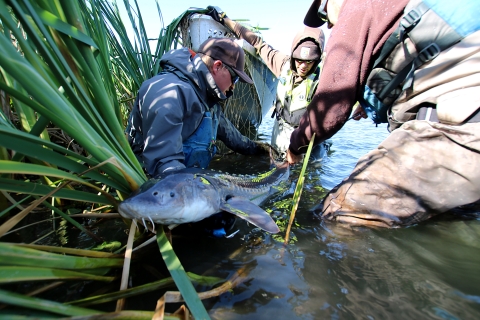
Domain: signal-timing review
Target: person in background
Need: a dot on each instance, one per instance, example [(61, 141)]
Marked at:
[(416, 65), (297, 72), (176, 118)]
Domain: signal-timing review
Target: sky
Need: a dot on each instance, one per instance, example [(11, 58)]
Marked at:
[(284, 18)]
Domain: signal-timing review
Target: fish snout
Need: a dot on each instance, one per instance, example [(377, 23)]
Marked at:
[(126, 210)]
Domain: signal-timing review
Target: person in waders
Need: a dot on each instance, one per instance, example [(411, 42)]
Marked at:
[(416, 66)]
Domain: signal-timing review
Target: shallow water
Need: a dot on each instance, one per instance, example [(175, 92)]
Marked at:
[(427, 271)]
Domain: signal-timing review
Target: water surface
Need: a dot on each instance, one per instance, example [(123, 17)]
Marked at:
[(426, 271)]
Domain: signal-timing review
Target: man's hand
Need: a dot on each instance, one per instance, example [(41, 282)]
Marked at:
[(216, 13), (359, 113), (293, 158)]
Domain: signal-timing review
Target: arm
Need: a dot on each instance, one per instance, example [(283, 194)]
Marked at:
[(358, 35), (162, 108), (272, 58), (233, 139)]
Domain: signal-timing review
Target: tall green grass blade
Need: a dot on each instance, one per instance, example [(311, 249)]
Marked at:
[(307, 156), (22, 301), (298, 189), (12, 254), (22, 274), (53, 21), (12, 185), (71, 251), (143, 289), (182, 281), (37, 148)]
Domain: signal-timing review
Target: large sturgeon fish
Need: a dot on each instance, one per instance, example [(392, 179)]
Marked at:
[(193, 194)]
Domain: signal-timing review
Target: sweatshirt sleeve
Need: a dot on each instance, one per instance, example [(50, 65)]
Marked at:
[(233, 139), (272, 58), (162, 112), (357, 37)]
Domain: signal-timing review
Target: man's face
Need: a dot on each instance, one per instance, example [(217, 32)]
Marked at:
[(224, 76), (303, 66)]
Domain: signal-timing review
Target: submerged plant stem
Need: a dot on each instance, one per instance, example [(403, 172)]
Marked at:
[(126, 265), (298, 189)]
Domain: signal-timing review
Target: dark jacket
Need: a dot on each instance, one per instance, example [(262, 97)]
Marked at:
[(168, 109)]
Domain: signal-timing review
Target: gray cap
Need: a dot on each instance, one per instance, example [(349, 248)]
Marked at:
[(307, 50), (227, 51)]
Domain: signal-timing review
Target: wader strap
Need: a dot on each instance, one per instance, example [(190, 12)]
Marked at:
[(428, 112), (427, 54), (407, 23), (274, 113), (429, 48), (474, 117)]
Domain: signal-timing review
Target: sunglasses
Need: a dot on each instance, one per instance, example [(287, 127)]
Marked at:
[(233, 75), (303, 61), (321, 11)]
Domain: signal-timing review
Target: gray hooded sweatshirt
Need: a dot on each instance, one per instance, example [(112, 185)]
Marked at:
[(169, 109)]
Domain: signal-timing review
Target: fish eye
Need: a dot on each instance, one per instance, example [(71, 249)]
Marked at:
[(172, 194), (155, 193)]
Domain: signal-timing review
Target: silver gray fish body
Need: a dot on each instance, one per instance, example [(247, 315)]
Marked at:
[(191, 195)]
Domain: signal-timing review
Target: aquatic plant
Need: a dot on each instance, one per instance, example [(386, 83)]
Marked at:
[(68, 75)]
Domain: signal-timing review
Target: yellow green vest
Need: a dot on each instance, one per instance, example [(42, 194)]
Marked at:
[(292, 102)]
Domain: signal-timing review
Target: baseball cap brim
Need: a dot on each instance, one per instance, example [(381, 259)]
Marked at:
[(243, 76), (312, 19), (227, 51)]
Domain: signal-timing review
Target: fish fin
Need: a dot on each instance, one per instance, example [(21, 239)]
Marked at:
[(245, 209)]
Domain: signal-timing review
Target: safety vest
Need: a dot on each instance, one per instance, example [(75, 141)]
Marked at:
[(200, 148), (291, 102), (426, 28)]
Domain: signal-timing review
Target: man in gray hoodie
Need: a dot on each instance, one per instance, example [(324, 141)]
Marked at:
[(176, 118)]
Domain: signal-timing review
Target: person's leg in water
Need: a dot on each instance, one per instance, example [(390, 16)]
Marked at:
[(420, 170)]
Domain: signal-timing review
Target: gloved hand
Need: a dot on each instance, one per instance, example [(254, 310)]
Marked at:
[(264, 148), (216, 13)]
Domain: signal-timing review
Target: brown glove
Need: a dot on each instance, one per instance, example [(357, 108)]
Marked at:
[(216, 13)]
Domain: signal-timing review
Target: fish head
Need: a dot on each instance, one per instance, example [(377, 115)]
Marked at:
[(175, 199)]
